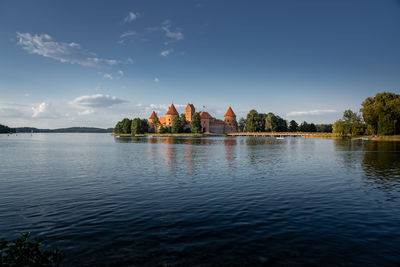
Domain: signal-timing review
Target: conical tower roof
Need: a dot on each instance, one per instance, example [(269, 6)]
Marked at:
[(172, 110), (205, 115), (230, 113), (153, 116)]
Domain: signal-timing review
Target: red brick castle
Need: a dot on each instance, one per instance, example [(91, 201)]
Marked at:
[(208, 123)]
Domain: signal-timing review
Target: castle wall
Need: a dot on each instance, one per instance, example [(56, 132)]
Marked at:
[(217, 128)]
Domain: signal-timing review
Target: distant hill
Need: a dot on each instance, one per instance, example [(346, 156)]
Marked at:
[(63, 130)]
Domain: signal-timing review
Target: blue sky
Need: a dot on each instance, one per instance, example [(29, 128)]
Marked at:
[(91, 63)]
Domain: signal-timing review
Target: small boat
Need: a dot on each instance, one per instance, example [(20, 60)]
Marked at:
[(280, 137), (366, 138)]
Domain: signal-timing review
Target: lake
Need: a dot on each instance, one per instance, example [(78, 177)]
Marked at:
[(204, 201)]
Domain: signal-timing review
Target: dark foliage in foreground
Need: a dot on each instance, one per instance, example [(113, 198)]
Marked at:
[(26, 252)]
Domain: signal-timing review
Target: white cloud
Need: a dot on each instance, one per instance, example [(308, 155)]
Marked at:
[(131, 17), (45, 110), (26, 94), (156, 80), (177, 35), (108, 76), (85, 112), (44, 45), (120, 74), (310, 112), (127, 34), (166, 52), (96, 101), (39, 109)]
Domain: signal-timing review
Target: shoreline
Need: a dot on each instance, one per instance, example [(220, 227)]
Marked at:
[(390, 138)]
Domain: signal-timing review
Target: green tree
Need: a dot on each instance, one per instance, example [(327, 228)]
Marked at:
[(252, 121), (176, 125), (350, 124), (118, 128), (293, 126), (184, 123), (255, 122), (135, 126), (139, 126), (312, 128), (324, 128), (304, 127), (144, 126), (382, 113), (241, 125), (196, 123), (126, 126), (271, 122), (338, 127)]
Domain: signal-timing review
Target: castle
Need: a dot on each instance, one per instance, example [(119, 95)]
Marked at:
[(207, 122)]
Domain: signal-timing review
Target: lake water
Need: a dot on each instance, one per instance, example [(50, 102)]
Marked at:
[(200, 202)]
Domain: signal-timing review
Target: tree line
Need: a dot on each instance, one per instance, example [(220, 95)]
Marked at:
[(380, 115), (134, 126), (6, 129), (141, 126), (261, 122)]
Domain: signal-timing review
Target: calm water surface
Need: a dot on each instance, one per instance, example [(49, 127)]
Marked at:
[(200, 202)]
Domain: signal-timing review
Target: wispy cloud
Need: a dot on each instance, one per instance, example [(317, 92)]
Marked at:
[(156, 80), (166, 52), (108, 76), (176, 35), (311, 112), (39, 109), (85, 112), (131, 17), (46, 110), (123, 37), (120, 74), (127, 34), (97, 101), (44, 45)]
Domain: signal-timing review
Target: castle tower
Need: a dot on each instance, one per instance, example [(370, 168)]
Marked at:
[(189, 111), (230, 121), (153, 117), (170, 115)]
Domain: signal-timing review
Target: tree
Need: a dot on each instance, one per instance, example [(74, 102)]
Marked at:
[(338, 127), (165, 129), (135, 126), (293, 126), (126, 126), (6, 129), (144, 126), (241, 125), (304, 127), (196, 123), (255, 122), (382, 113), (176, 125), (118, 128), (324, 128), (350, 124), (184, 123), (312, 128), (139, 126), (270, 122)]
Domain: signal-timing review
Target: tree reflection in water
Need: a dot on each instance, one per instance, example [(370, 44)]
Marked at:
[(381, 165)]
